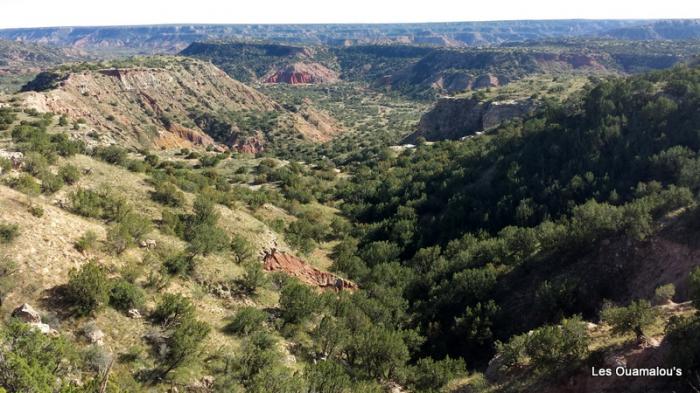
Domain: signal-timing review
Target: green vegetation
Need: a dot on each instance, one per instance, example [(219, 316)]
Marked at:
[(86, 242), (88, 288), (8, 232), (631, 319)]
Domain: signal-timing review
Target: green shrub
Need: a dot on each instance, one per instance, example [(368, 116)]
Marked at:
[(180, 264), (114, 155), (88, 288), (69, 173), (683, 337), (253, 277), (168, 194), (5, 165), (241, 248), (184, 343), (32, 361), (246, 321), (36, 164), (8, 233), (128, 231), (429, 375), (26, 184), (172, 309), (297, 302), (36, 211), (137, 166), (50, 183), (548, 349), (125, 295), (694, 287), (634, 318), (202, 232), (99, 204), (86, 242), (664, 293)]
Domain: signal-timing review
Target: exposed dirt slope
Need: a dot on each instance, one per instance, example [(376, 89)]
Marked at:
[(154, 106)]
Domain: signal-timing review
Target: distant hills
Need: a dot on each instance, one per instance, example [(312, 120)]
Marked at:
[(174, 38)]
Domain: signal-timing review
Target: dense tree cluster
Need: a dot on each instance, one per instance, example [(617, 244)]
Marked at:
[(464, 218)]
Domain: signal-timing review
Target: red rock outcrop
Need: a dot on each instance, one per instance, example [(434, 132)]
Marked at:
[(299, 73), (278, 261)]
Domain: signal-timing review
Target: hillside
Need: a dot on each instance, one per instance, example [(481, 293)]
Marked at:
[(422, 72), (662, 30), (21, 61), (539, 220), (168, 103)]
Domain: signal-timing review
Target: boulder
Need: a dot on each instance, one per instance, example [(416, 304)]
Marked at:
[(43, 328), (148, 243), (94, 335), (134, 313), (27, 313)]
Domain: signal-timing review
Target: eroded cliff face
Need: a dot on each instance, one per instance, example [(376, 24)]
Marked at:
[(455, 118), (303, 73), (154, 106)]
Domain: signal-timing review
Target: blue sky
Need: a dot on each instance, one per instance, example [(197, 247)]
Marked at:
[(31, 13)]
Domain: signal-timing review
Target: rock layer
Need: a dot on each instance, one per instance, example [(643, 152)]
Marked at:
[(295, 267), (303, 73)]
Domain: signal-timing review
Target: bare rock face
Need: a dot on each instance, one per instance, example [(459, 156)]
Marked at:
[(30, 316), (295, 267), (27, 314), (303, 73), (455, 118)]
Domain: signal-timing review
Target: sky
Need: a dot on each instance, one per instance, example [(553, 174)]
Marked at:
[(34, 13)]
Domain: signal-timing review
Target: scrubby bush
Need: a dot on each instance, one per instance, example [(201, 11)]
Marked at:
[(253, 277), (35, 164), (297, 302), (114, 155), (201, 230), (50, 183), (5, 165), (8, 233), (99, 204), (183, 343), (168, 194), (429, 375), (32, 361), (549, 349), (634, 318), (86, 242), (241, 248), (246, 321), (172, 309), (69, 173), (128, 231), (664, 293), (88, 288), (125, 295), (181, 263), (26, 184), (694, 286), (36, 211)]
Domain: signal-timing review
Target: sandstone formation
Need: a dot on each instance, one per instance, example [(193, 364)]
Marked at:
[(295, 267), (303, 73)]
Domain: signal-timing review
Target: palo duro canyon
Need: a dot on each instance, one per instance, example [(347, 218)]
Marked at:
[(372, 197)]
